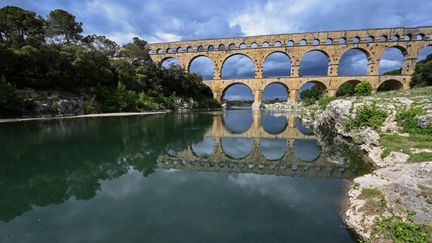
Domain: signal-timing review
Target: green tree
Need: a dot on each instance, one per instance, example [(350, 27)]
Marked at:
[(423, 73), (101, 44), (61, 26), (363, 88), (346, 89), (10, 102), (20, 27), (136, 51), (309, 96)]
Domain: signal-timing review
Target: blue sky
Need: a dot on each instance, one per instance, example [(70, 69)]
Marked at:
[(171, 20)]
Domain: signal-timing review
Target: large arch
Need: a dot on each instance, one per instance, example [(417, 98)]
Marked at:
[(390, 84), (238, 66), (273, 124), (315, 87), (205, 148), (354, 62), (424, 52), (275, 91), (277, 64), (315, 63), (347, 88), (237, 121), (236, 148), (391, 61), (273, 148), (237, 91), (203, 66), (167, 62)]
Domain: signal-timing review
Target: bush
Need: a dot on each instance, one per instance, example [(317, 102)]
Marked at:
[(10, 103), (407, 118), (398, 230), (346, 89), (363, 88), (309, 96), (367, 116), (324, 101)]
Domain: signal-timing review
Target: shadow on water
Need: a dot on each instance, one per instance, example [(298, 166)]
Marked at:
[(237, 176)]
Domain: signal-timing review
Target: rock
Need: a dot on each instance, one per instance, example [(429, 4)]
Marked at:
[(396, 158), (369, 137), (424, 121)]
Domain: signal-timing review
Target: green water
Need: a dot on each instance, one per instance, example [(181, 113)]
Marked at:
[(194, 177)]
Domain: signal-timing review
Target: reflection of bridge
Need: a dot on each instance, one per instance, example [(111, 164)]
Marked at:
[(255, 161), (333, 44)]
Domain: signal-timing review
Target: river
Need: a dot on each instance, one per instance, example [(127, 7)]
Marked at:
[(232, 176)]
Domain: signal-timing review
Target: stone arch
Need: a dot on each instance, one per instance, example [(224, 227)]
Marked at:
[(179, 49), (253, 45), (355, 40), (159, 51), (329, 41), (273, 148), (307, 150), (273, 124), (232, 46), (354, 52), (198, 149), (227, 87), (206, 71), (420, 36), (211, 48), (200, 48), (169, 51), (237, 121), (290, 43), (408, 37), (221, 47), (265, 44), (277, 44), (342, 40), (316, 42), (247, 75), (423, 52), (346, 88), (303, 42), (370, 39), (242, 45), (390, 84), (276, 85), (310, 85), (189, 49), (167, 61), (389, 55), (311, 54), (286, 70), (236, 148)]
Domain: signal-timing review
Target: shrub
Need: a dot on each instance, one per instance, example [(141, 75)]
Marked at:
[(309, 96), (367, 116), (10, 103), (363, 88), (346, 89), (407, 118), (398, 230), (324, 101)]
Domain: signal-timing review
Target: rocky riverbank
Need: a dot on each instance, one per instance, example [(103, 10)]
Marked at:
[(397, 195)]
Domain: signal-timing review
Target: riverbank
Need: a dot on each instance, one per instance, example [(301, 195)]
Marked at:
[(394, 202)]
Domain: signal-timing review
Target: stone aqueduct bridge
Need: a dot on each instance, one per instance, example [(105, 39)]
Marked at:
[(372, 42)]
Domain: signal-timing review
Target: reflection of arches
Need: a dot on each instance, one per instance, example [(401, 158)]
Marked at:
[(301, 128), (273, 124), (276, 90), (238, 65), (201, 65), (390, 85), (347, 88), (273, 148), (354, 62), (307, 149), (205, 148), (248, 95), (315, 62), (237, 121), (392, 59), (236, 148), (167, 62), (277, 64)]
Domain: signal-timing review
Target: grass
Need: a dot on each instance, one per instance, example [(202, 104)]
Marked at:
[(394, 142), (426, 192), (375, 200)]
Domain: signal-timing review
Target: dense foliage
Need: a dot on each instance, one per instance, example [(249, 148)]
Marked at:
[(407, 118), (367, 116), (346, 89), (397, 230), (423, 73), (363, 88), (51, 54), (310, 96)]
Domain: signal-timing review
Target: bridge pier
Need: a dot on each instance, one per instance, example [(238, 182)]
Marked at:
[(293, 95), (257, 99)]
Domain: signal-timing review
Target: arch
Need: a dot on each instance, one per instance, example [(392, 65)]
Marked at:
[(395, 37), (290, 43), (179, 50), (315, 42), (150, 51), (238, 65), (254, 45), (277, 63), (356, 40), (232, 46), (314, 63), (237, 121), (159, 51), (307, 150), (303, 42), (242, 45), (211, 48), (311, 91), (390, 84), (274, 124), (189, 49), (169, 51), (236, 148), (370, 39), (408, 37), (273, 148), (205, 148), (391, 60), (347, 88), (301, 128), (167, 62), (203, 66), (265, 44), (420, 36), (277, 44), (424, 52), (200, 48), (221, 47), (354, 61), (383, 38), (329, 41), (237, 91), (342, 40), (275, 92)]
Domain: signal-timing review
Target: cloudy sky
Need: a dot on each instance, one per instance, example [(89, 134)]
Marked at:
[(172, 20)]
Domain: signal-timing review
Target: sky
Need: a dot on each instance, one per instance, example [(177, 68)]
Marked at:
[(173, 20)]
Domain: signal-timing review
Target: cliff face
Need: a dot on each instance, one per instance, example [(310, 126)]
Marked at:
[(398, 187)]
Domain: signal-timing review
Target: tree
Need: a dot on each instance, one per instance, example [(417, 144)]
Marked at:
[(363, 88), (423, 73), (101, 44), (19, 27), (10, 103), (136, 51), (61, 26), (346, 89)]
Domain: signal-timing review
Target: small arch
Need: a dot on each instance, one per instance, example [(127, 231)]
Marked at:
[(203, 66), (265, 44), (189, 49), (342, 40), (221, 47), (277, 64), (211, 48), (254, 45), (238, 66), (315, 63), (159, 51), (179, 50), (150, 51), (395, 37), (169, 51), (347, 88), (242, 45), (356, 40), (290, 43), (383, 38), (329, 41), (407, 37), (277, 44), (200, 48), (371, 39), (232, 46), (303, 42), (420, 36), (167, 62), (388, 85), (315, 42)]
